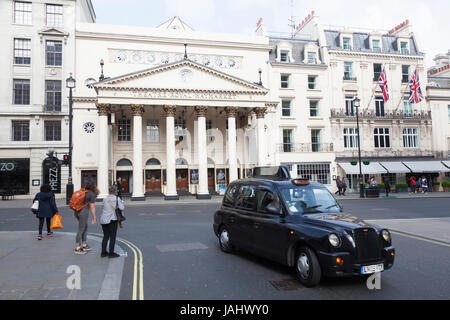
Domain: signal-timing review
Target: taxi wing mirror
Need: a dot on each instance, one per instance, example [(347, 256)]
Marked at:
[(273, 209)]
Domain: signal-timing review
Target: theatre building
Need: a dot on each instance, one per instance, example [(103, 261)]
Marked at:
[(171, 111)]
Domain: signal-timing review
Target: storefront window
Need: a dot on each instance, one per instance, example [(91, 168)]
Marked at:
[(15, 176)]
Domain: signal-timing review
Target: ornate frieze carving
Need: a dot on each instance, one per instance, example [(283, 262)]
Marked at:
[(103, 109), (170, 110), (138, 109)]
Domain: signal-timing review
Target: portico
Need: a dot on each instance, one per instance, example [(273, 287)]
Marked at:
[(205, 114)]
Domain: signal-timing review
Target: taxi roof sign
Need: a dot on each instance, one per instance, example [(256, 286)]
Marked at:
[(276, 172)]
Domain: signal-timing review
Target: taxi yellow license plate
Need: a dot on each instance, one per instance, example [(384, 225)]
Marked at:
[(372, 269)]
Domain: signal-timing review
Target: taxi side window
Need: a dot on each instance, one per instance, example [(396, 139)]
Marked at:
[(247, 198), (228, 199), (266, 198)]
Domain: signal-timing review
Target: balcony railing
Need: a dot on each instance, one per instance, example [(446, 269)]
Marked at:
[(385, 152), (349, 78), (368, 114), (304, 147), (46, 108)]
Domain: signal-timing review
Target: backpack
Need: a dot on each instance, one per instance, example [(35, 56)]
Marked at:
[(77, 200)]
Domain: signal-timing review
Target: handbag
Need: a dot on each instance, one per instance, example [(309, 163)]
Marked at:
[(35, 206), (117, 210)]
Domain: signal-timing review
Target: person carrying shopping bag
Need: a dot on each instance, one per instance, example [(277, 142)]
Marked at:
[(47, 209), (109, 221)]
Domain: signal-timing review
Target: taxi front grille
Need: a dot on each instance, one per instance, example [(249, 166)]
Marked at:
[(367, 245)]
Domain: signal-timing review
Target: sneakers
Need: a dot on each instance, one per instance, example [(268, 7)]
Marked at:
[(50, 234), (87, 248), (39, 237), (113, 255), (79, 251)]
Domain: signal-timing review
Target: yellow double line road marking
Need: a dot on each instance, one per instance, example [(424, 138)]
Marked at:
[(138, 277)]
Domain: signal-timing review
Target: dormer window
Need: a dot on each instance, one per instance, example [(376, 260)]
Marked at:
[(312, 58), (404, 47), (346, 44), (376, 46), (284, 56)]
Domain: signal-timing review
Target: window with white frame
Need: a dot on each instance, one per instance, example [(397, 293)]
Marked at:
[(316, 140), (404, 47), (350, 138), (52, 130), (20, 130), (22, 51), (315, 172), (376, 45), (22, 12), (348, 70), (53, 53), (381, 138), (346, 44), (408, 109), (284, 56), (54, 15), (405, 74), (312, 58), (153, 130), (285, 81), (312, 82), (379, 107), (124, 130), (350, 106), (313, 108), (53, 95), (410, 138), (288, 143), (286, 108), (376, 71)]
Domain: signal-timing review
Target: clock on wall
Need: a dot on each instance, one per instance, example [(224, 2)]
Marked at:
[(89, 127), (121, 56)]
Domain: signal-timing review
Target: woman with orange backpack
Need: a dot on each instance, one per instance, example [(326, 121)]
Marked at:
[(90, 193)]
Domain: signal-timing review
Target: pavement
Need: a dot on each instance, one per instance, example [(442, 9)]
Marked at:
[(46, 269)]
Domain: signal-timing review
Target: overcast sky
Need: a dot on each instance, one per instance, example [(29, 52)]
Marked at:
[(429, 18)]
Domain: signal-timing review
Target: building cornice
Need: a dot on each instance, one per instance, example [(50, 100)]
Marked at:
[(347, 53), (170, 40)]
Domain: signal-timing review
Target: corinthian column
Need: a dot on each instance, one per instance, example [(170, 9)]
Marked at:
[(260, 114), (171, 184), (202, 192), (103, 172), (138, 182), (231, 142)]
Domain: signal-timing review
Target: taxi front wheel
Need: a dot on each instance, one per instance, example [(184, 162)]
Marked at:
[(225, 240), (307, 267)]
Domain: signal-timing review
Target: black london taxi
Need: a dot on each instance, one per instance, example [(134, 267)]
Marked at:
[(298, 223)]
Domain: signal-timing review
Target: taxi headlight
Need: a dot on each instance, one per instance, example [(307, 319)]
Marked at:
[(334, 240), (386, 235)]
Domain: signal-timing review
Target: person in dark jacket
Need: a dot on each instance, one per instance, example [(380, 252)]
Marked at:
[(47, 209), (387, 185)]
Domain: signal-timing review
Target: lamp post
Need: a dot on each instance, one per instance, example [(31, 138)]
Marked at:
[(70, 84), (357, 103)]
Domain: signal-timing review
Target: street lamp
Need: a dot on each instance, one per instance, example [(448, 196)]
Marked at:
[(70, 84), (357, 103)]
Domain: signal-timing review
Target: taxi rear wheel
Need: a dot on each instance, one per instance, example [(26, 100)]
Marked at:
[(225, 240), (307, 267)]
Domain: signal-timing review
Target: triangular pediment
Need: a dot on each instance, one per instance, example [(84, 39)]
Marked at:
[(176, 24), (185, 75), (53, 31)]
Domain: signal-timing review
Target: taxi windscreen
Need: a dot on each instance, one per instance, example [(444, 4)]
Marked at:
[(309, 199)]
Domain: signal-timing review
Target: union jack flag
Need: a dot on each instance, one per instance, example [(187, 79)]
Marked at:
[(384, 86), (415, 94)]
